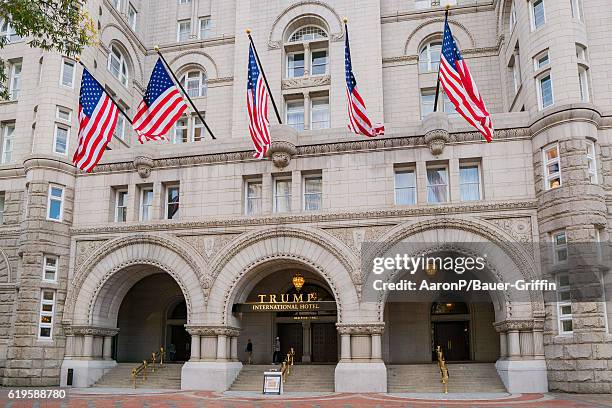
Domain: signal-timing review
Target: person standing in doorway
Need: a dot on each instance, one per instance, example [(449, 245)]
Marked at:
[(172, 351), (249, 351), (276, 349)]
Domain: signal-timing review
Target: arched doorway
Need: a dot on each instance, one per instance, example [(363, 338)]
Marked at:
[(153, 314), (302, 316)]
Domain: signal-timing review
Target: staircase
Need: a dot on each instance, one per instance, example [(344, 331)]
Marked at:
[(463, 377), (168, 377), (303, 378)]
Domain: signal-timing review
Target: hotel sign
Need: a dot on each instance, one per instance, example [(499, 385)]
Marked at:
[(286, 303)]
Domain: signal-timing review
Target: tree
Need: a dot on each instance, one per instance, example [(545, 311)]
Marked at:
[(60, 25)]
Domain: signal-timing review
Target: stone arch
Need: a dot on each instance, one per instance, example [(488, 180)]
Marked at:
[(112, 34), (192, 59), (503, 16), (426, 31), (511, 263), (100, 284), (314, 250), (301, 9), (5, 268)]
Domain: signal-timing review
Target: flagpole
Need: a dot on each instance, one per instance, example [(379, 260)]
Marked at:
[(184, 92), (78, 59), (248, 31), (435, 107)]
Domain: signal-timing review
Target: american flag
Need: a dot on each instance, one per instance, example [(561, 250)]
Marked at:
[(97, 121), (460, 86), (358, 116), (257, 105), (161, 106)]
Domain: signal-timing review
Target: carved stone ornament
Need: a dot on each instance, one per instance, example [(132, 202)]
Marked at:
[(144, 165), (281, 152), (360, 328), (306, 81), (436, 140)]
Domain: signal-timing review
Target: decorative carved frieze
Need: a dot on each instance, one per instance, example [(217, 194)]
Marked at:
[(305, 82), (514, 325), (84, 249), (213, 331), (436, 140), (144, 165), (208, 245), (353, 237), (90, 331), (518, 227), (360, 328), (281, 152)]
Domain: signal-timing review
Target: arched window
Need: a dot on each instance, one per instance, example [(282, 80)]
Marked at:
[(308, 33), (117, 65), (195, 83), (429, 56)]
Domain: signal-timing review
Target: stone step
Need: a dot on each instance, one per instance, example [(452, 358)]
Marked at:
[(167, 376), (312, 378)]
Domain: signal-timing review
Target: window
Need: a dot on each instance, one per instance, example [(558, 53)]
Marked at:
[(319, 112), (172, 202), (132, 14), (195, 83), (515, 67), (592, 161), (512, 17), (295, 115), (282, 195), (181, 131), (313, 193), (437, 185), (7, 31), (47, 307), (552, 167), (428, 98), (205, 27), (425, 4), (121, 198), (541, 60), (60, 140), (146, 204), (308, 33), (198, 130), (184, 30), (55, 203), (253, 194), (538, 15), (120, 127), (184, 1), (545, 91), (581, 53), (295, 65), (564, 304), (68, 69), (49, 273), (2, 207), (469, 182), (318, 64), (449, 106), (8, 140), (429, 57), (117, 65), (559, 247), (116, 4), (15, 81), (576, 9), (583, 82), (405, 187), (63, 114)]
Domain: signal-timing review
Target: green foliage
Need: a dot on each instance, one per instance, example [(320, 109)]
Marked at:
[(60, 25)]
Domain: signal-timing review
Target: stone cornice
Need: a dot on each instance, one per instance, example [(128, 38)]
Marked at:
[(384, 143), (454, 10), (90, 331), (425, 210), (360, 328), (48, 162), (212, 331), (514, 325)]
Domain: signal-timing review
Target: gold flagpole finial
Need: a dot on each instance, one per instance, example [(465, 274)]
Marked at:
[(156, 48), (447, 7), (77, 58), (345, 19), (248, 31)]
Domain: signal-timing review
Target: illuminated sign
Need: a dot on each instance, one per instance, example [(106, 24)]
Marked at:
[(286, 303)]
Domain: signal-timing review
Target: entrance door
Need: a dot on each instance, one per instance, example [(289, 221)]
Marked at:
[(324, 343), (291, 335), (181, 341), (454, 339)]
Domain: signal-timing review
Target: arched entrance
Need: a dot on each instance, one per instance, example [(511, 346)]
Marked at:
[(119, 300), (152, 314)]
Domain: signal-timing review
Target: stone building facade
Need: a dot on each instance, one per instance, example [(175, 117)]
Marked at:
[(85, 259)]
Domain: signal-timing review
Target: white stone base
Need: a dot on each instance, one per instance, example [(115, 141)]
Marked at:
[(523, 376), (86, 372), (209, 375), (361, 377)]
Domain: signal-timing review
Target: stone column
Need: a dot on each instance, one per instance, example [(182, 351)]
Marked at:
[(70, 346), (538, 339), (345, 346), (307, 121), (88, 346), (503, 345), (195, 347), (222, 346), (376, 346), (107, 348), (514, 346), (307, 342), (307, 60), (234, 348), (526, 340)]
